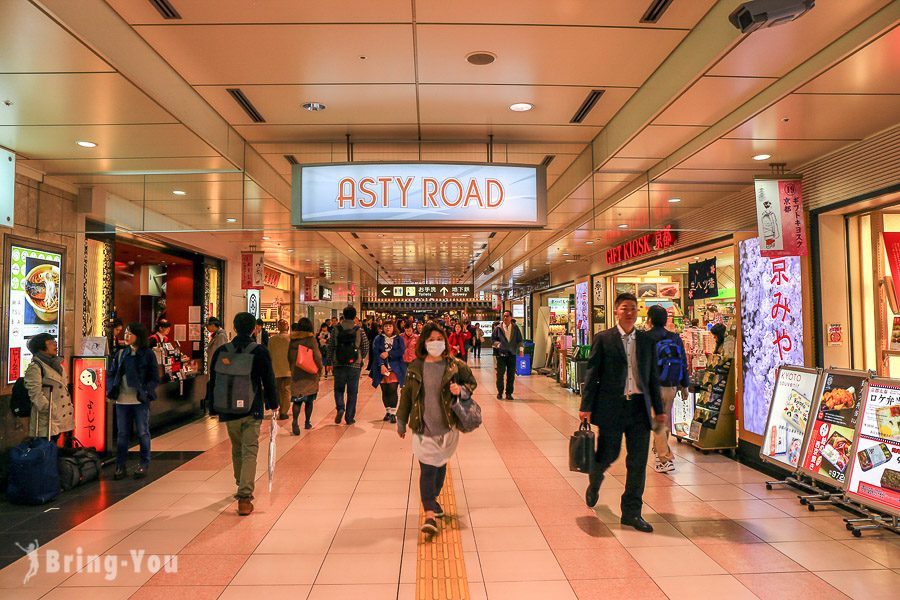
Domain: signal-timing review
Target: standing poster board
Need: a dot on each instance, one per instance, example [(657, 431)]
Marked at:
[(683, 414), (789, 412), (829, 441), (874, 478)]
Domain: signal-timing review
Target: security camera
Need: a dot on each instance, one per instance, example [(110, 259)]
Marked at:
[(756, 14), (489, 270)]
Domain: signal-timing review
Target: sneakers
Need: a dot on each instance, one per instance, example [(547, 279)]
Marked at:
[(439, 512), (295, 428), (429, 527), (337, 419), (306, 425), (665, 466), (393, 418), (387, 417), (245, 506), (120, 473), (140, 472), (351, 421), (509, 397), (499, 396)]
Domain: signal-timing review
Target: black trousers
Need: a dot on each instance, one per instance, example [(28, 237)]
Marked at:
[(506, 365), (431, 482), (389, 396), (634, 426)]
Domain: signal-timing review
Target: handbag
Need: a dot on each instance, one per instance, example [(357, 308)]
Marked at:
[(468, 414), (305, 360), (582, 449)]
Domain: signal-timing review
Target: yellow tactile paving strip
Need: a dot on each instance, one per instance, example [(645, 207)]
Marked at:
[(440, 567)]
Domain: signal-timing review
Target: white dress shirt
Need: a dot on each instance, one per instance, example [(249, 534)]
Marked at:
[(631, 378)]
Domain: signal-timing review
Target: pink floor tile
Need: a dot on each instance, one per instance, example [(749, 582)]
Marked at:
[(178, 592), (796, 586), (716, 532), (611, 562), (201, 569), (617, 589), (750, 558)]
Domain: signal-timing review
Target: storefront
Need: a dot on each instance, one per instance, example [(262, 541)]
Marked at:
[(276, 299)]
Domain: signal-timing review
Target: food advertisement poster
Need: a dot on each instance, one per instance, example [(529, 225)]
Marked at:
[(582, 314), (789, 415), (626, 288), (875, 471), (682, 414), (771, 327), (35, 297), (835, 412), (89, 401)]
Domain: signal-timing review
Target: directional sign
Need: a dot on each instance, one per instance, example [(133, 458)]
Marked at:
[(426, 291)]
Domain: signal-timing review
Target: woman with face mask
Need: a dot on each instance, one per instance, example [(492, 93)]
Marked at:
[(433, 382)]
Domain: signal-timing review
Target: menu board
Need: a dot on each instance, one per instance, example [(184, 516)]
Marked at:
[(789, 412), (35, 301), (874, 477), (826, 456)]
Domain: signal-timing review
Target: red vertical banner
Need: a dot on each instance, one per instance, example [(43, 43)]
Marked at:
[(89, 400), (252, 270), (780, 217), (892, 249)]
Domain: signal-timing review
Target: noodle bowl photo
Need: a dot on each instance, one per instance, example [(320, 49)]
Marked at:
[(42, 291)]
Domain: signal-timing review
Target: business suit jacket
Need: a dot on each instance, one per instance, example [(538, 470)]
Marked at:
[(606, 375), (508, 347)]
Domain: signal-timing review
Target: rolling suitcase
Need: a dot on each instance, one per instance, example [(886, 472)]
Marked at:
[(33, 469)]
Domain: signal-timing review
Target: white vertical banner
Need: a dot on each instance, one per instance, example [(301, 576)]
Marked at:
[(7, 187), (253, 302)]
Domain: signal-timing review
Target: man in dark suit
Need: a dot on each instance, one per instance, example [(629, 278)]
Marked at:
[(507, 341), (621, 396)]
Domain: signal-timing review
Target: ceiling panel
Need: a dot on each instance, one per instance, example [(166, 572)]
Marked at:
[(659, 141), (296, 133), (268, 11), (710, 99), (543, 55), (774, 51), (820, 116), (128, 165), (685, 175), (286, 54), (737, 154), (874, 69), (345, 104), (553, 105), (608, 13), (512, 133)]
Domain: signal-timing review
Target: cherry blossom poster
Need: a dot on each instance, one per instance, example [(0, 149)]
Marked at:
[(771, 326)]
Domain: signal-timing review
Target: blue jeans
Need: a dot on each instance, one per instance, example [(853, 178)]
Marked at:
[(126, 414), (346, 378)]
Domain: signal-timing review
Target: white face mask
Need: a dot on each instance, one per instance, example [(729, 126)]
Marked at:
[(435, 348)]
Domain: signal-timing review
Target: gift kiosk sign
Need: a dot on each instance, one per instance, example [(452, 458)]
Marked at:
[(834, 416), (874, 478), (35, 287), (789, 413)]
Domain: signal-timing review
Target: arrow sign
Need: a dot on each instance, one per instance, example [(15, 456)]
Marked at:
[(444, 290), (385, 291), (423, 291)]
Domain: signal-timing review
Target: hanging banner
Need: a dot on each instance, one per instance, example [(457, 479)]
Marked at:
[(89, 400), (789, 415), (253, 303), (7, 187), (310, 289), (252, 271), (892, 249), (702, 279), (874, 477), (779, 215)]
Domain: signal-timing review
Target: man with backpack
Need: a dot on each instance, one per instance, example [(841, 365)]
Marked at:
[(673, 375), (241, 387), (348, 348)]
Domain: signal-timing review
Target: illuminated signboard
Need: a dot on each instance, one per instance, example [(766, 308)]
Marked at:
[(411, 291), (422, 194), (663, 239), (89, 400), (36, 296)]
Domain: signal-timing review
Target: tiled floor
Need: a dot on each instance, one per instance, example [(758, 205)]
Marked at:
[(341, 522)]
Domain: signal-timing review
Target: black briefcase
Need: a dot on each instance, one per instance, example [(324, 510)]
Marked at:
[(582, 449)]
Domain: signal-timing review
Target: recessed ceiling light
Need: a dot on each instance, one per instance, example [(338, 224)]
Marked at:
[(86, 144), (696, 258), (265, 237), (547, 262), (290, 250), (674, 200), (481, 58), (590, 242), (231, 220), (179, 192), (762, 157), (570, 260), (313, 106), (623, 225), (521, 106)]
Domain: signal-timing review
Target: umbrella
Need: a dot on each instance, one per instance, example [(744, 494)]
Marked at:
[(273, 431)]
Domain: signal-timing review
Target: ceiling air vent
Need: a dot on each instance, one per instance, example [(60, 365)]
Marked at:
[(586, 106), (246, 105), (291, 159), (364, 247), (166, 9), (548, 159), (493, 233), (655, 11), (355, 236)]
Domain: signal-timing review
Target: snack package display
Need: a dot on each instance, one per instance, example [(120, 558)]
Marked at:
[(874, 474), (874, 456), (789, 415), (888, 419)]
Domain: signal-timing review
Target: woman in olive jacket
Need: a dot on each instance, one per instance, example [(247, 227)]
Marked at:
[(46, 382), (304, 386), (432, 382)]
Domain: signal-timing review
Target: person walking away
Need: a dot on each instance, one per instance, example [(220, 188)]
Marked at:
[(322, 338), (243, 427), (433, 382), (217, 337), (347, 351), (672, 368), (507, 341), (620, 396), (410, 341), (304, 385), (370, 330), (260, 334), (278, 349), (131, 384), (478, 340), (161, 335), (388, 368), (457, 340), (46, 383)]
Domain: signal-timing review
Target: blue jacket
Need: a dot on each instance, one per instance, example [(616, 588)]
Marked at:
[(140, 370), (394, 359)]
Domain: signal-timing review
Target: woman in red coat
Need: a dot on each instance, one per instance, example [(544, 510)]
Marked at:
[(458, 340)]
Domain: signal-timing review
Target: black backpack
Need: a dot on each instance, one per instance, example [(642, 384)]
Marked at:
[(346, 350), (233, 393), (20, 401)]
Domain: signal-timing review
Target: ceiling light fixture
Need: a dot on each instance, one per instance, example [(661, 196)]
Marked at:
[(521, 106), (590, 242), (481, 58), (674, 200), (623, 225), (314, 106), (231, 220), (179, 192), (265, 237), (86, 144), (762, 157)]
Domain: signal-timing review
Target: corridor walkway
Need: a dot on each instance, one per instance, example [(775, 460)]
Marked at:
[(342, 521)]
